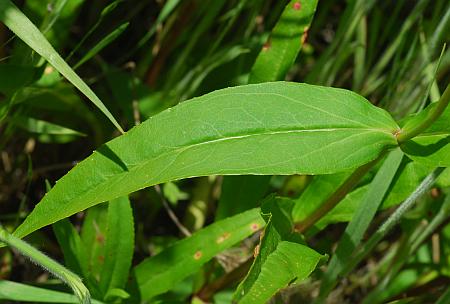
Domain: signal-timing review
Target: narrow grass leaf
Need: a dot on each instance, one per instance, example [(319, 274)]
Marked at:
[(108, 39), (271, 128), (363, 217), (14, 19), (38, 126), (280, 51), (160, 273)]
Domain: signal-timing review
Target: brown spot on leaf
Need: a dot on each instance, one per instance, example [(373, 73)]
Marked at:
[(256, 251), (266, 46), (305, 35), (254, 227), (198, 255), (297, 5), (223, 237), (435, 193), (100, 238)]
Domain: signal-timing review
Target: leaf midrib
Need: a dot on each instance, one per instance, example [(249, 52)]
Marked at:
[(180, 149)]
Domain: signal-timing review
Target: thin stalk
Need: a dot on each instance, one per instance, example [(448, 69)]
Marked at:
[(392, 221), (440, 217), (408, 248), (336, 197), (442, 104), (48, 264)]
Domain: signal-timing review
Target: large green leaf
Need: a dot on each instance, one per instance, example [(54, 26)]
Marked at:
[(290, 261), (160, 273), (13, 18), (263, 129)]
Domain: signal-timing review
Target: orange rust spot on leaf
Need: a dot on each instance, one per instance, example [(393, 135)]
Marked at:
[(297, 5), (198, 255), (254, 226), (266, 46), (101, 259), (435, 193), (223, 237), (100, 238)]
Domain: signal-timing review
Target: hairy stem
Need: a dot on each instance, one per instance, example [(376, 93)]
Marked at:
[(336, 197), (48, 264)]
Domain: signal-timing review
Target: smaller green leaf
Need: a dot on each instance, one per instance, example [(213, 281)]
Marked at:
[(25, 293), (119, 245), (72, 246), (74, 251), (27, 31), (290, 261), (276, 211), (93, 235), (430, 150), (160, 273)]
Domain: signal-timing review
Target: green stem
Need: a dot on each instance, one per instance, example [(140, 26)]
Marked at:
[(48, 264), (432, 116), (393, 220), (336, 197)]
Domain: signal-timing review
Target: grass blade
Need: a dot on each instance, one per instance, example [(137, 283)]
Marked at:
[(361, 220)]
